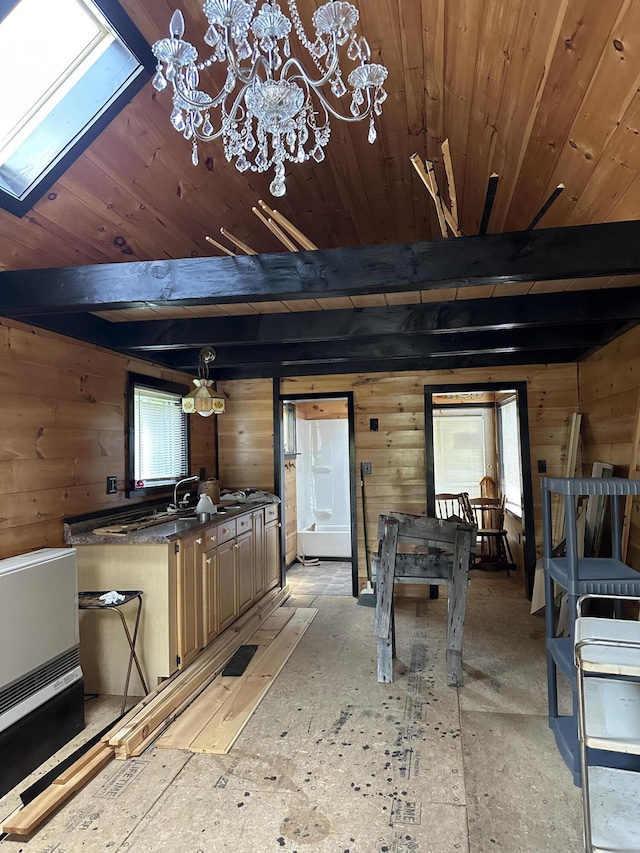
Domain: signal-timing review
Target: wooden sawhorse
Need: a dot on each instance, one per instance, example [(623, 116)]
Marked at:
[(449, 544)]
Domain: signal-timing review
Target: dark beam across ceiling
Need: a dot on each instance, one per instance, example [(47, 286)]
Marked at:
[(556, 253), (508, 312), (460, 362), (392, 349)]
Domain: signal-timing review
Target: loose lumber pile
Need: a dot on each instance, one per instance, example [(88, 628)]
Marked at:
[(161, 707), (214, 721), (146, 720), (26, 820)]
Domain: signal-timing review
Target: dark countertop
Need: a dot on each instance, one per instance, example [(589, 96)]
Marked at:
[(81, 532)]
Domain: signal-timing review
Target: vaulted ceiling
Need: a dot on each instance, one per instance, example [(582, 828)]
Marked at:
[(540, 92)]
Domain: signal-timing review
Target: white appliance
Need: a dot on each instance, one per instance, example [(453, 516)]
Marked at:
[(39, 634)]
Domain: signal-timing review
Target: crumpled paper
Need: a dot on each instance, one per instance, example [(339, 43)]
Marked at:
[(112, 597)]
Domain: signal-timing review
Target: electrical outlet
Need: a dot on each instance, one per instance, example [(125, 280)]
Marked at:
[(373, 424), (112, 485), (542, 466), (366, 468)]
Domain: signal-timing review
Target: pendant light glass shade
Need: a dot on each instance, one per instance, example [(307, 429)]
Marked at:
[(203, 399)]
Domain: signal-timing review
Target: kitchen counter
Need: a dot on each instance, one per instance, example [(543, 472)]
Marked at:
[(81, 532), (196, 578)]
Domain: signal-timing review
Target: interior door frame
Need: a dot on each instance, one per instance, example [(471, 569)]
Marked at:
[(529, 530), (279, 399)]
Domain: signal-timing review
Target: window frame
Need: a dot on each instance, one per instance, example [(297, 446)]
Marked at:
[(513, 509), (289, 430), (131, 36), (141, 380)]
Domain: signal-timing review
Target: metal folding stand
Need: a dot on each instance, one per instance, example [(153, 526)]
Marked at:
[(91, 601)]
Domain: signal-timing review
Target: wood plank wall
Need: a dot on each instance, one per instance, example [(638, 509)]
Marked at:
[(62, 429), (609, 388), (396, 451), (245, 435)]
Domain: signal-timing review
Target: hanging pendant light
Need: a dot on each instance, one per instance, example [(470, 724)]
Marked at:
[(203, 400)]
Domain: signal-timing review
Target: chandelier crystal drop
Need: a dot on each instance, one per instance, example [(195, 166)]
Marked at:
[(270, 109)]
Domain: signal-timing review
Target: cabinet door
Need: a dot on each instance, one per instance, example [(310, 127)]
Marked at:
[(258, 554), (189, 600), (272, 554), (226, 585), (244, 563), (209, 596)]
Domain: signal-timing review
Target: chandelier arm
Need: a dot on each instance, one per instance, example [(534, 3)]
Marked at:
[(184, 94), (292, 61), (350, 119), (218, 133)]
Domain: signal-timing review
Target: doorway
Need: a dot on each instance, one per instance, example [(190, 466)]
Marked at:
[(477, 441), (318, 493)]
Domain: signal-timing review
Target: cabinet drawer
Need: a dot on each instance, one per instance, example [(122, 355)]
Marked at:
[(243, 524), (225, 531), (211, 537), (270, 513)]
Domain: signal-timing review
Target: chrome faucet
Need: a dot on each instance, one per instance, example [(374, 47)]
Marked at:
[(180, 483)]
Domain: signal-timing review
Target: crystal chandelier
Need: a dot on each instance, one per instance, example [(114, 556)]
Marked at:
[(271, 108)]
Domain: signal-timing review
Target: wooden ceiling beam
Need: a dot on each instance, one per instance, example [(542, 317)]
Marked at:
[(445, 362), (578, 252), (394, 349), (565, 308)]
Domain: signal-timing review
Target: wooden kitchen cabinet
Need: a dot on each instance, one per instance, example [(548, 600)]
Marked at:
[(271, 546), (210, 621), (259, 574), (226, 585), (189, 599), (245, 570), (193, 589), (245, 562)]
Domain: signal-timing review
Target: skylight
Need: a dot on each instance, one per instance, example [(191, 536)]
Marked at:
[(84, 55)]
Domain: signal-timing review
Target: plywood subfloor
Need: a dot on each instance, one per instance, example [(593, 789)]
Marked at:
[(332, 761)]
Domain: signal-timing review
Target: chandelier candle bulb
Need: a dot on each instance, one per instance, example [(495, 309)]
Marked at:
[(270, 109)]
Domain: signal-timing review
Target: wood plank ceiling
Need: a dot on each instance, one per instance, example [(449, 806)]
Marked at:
[(539, 91)]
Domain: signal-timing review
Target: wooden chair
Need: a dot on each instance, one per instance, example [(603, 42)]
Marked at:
[(449, 545), (492, 535), (451, 506)]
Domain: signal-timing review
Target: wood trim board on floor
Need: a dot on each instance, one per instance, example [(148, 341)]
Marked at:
[(214, 721)]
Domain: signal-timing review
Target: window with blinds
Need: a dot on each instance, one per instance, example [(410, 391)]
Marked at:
[(459, 447), (158, 433), (509, 446)]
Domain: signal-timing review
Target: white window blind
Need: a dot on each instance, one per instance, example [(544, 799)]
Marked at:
[(161, 452), (459, 452), (509, 442)]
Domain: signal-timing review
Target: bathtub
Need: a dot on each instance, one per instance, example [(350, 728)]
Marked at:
[(325, 540)]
